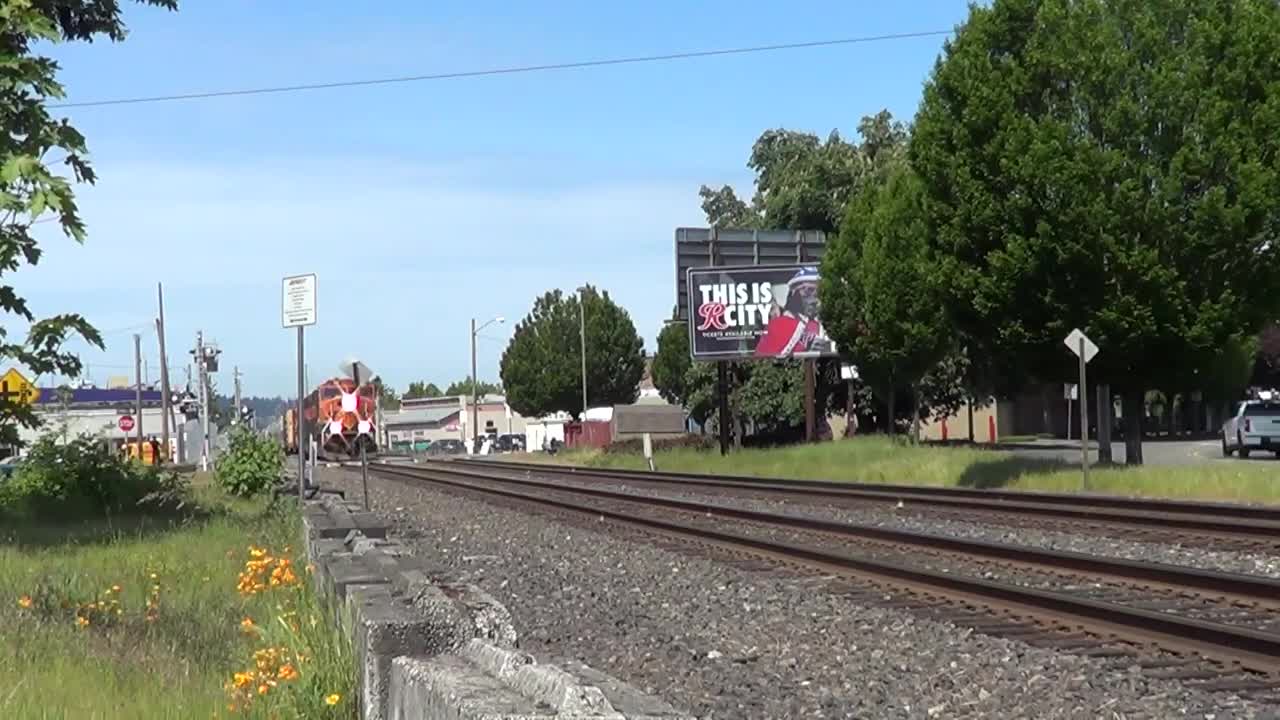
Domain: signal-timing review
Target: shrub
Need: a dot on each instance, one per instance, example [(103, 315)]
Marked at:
[(251, 465), (82, 477), (635, 446)]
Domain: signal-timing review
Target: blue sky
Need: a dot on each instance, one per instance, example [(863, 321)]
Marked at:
[(421, 205)]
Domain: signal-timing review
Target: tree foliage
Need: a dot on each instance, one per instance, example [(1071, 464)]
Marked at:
[(419, 389), (541, 368), (671, 363), (464, 387), (30, 189), (880, 297), (388, 398), (1108, 165)]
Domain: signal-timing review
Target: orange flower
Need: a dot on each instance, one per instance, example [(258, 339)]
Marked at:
[(24, 602), (247, 626), (82, 621), (287, 672)]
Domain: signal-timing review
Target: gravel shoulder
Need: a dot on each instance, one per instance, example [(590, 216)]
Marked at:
[(726, 642)]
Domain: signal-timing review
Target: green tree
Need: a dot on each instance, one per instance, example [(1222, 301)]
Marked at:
[(1088, 164), (463, 387), (30, 190), (541, 368), (388, 398), (420, 389), (879, 295), (671, 363), (724, 208)]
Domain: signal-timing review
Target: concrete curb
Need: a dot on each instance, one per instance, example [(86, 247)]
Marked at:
[(433, 650)]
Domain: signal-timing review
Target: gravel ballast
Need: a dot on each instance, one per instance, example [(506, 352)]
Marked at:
[(924, 519), (723, 642)]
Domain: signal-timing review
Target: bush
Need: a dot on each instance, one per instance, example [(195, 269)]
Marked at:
[(635, 446), (251, 465), (79, 478)]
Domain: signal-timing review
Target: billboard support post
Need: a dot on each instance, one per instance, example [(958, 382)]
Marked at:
[(809, 410), (722, 391)]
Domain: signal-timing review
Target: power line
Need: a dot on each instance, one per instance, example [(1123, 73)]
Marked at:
[(516, 70)]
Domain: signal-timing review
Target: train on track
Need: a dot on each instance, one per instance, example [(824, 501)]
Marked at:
[(341, 418)]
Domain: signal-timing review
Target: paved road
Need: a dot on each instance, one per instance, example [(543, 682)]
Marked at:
[(1162, 452)]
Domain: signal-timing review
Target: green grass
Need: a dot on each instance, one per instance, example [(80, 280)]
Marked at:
[(175, 663), (881, 460)]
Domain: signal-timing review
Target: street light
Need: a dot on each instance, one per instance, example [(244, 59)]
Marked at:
[(475, 383), (582, 322)]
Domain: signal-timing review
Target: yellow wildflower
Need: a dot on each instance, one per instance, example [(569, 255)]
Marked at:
[(262, 689), (256, 553), (82, 621), (115, 588), (332, 700), (154, 576), (24, 602), (242, 679)]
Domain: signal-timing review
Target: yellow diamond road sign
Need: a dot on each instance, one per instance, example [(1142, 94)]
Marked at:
[(17, 389)]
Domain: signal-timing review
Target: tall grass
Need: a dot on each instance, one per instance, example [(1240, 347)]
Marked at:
[(141, 618), (882, 460)]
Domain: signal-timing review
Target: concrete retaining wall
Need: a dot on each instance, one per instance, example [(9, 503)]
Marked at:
[(432, 650)]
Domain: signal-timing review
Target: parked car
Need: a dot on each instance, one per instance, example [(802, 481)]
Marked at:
[(1254, 426), (510, 442), (449, 446)]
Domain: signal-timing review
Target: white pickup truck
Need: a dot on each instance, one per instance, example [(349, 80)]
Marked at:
[(1254, 426)]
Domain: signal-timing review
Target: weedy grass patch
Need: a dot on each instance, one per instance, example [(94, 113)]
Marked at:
[(882, 460), (203, 613)]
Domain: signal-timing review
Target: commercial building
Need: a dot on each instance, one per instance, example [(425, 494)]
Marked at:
[(97, 412), (426, 420)]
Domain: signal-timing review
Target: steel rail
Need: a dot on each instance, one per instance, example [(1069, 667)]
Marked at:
[(1253, 588), (1218, 518), (1251, 649)]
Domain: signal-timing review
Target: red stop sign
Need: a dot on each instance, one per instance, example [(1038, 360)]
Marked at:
[(126, 422)]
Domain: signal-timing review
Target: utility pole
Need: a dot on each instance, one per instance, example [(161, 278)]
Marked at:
[(137, 371), (475, 405), (236, 375), (582, 325), (164, 377), (204, 402)]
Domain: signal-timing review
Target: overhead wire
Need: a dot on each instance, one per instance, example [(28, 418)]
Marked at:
[(513, 70)]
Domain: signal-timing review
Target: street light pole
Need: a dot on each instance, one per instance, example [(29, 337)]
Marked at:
[(475, 383), (582, 323)]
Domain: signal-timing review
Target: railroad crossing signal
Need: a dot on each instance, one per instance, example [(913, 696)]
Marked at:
[(16, 389)]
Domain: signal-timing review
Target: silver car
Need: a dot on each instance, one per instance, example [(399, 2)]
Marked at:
[(1254, 426)]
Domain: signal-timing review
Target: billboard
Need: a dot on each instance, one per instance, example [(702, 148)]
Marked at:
[(716, 247), (755, 311)]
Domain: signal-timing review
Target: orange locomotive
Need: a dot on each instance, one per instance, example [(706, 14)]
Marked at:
[(340, 419)]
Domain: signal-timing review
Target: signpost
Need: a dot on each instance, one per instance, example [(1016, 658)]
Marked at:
[(299, 311), (1084, 349), (125, 423)]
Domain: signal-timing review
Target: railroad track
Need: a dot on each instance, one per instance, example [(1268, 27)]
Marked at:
[(1164, 618), (1226, 525)]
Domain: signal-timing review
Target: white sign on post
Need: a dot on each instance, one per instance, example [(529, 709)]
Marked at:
[(1072, 341), (1083, 347), (299, 307)]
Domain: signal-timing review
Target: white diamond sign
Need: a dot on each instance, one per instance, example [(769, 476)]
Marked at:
[(1072, 341)]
